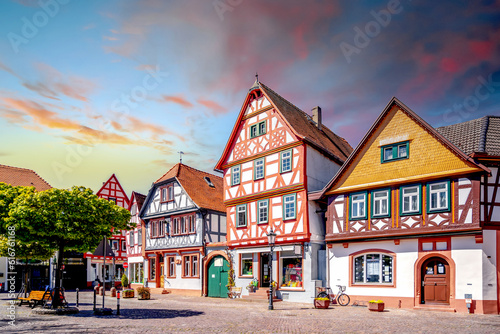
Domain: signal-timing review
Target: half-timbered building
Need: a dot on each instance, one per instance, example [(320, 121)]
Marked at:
[(276, 153), (411, 216), (185, 220), (111, 190), (134, 241)]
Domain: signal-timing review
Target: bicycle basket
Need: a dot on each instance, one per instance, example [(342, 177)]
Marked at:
[(342, 288)]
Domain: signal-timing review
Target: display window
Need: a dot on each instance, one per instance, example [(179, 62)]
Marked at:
[(246, 265), (292, 274)]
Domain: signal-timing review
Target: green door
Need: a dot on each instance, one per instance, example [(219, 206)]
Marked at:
[(218, 269)]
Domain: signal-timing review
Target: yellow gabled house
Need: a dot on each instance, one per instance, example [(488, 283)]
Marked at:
[(403, 220)]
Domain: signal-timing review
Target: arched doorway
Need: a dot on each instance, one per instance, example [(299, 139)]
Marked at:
[(435, 274), (218, 270)]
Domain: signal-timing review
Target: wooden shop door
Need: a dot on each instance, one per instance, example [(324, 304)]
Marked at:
[(435, 281)]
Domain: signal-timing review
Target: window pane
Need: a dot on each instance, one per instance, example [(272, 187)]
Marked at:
[(402, 153), (373, 268), (388, 153), (253, 131), (359, 269), (289, 207), (263, 212), (286, 161), (246, 267), (262, 128), (386, 269), (292, 272)]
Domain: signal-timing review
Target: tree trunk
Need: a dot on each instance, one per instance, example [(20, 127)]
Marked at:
[(58, 296)]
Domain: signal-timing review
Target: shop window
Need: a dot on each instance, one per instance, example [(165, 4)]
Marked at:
[(137, 272), (241, 215), (410, 200), (395, 152), (373, 269), (263, 211), (286, 161), (438, 196), (235, 175), (152, 268), (139, 237), (291, 265), (246, 265), (358, 206), (289, 206), (381, 200)]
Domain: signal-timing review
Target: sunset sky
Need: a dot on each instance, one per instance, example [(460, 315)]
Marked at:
[(91, 88)]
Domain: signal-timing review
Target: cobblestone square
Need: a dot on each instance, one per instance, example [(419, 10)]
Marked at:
[(181, 314)]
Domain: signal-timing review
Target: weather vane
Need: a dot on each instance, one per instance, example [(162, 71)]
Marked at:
[(180, 155)]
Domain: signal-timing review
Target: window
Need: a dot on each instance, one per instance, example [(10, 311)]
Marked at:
[(183, 225), (395, 152), (164, 195), (289, 206), (124, 245), (410, 200), (235, 175), (190, 266), (358, 206), (161, 228), (246, 265), (258, 129), (171, 266), (114, 245), (291, 265), (131, 238), (263, 211), (192, 224), (152, 268), (139, 237), (167, 193), (373, 269), (241, 215), (153, 229), (176, 226), (381, 200), (286, 161), (258, 169), (136, 272), (168, 227), (438, 196)]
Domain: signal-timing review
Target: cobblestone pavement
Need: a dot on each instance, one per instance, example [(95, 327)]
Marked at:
[(180, 314)]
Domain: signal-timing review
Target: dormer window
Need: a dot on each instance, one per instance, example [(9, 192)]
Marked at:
[(209, 182), (396, 151), (258, 129)]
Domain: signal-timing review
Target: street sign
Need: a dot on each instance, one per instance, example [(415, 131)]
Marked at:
[(125, 265)]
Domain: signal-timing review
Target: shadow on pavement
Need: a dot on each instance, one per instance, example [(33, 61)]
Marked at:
[(143, 314)]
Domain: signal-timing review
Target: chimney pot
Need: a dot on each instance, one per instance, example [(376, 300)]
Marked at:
[(316, 116)]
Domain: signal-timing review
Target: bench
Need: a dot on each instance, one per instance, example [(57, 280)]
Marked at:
[(35, 297), (234, 292)]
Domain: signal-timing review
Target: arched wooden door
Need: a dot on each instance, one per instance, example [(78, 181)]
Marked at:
[(435, 281), (218, 270)]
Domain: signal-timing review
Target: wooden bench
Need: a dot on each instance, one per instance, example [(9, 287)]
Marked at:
[(35, 298), (234, 292)]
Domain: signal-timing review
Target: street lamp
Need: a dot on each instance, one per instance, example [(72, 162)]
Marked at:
[(271, 238)]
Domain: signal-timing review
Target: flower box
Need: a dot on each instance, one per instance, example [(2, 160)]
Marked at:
[(128, 293), (321, 303), (376, 305)]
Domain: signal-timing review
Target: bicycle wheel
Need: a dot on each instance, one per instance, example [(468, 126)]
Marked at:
[(343, 299), (322, 294)]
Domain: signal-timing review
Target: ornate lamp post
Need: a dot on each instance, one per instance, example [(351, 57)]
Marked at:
[(271, 238)]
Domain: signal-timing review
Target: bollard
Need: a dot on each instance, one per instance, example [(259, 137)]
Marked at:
[(77, 291), (118, 303), (95, 291)]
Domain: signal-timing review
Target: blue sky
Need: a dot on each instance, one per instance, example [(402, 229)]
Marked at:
[(91, 88)]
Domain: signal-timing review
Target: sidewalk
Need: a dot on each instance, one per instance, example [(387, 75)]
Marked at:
[(181, 314)]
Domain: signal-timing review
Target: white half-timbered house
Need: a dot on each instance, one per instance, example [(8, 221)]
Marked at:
[(134, 241), (411, 215), (184, 218), (275, 155)]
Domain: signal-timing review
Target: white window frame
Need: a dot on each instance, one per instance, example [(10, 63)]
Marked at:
[(264, 205), (410, 196), (437, 192), (235, 175), (259, 169), (286, 156), (385, 198), (356, 200), (290, 199), (241, 209)]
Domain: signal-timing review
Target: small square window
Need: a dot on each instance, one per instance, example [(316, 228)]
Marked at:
[(395, 152), (427, 246), (258, 129)]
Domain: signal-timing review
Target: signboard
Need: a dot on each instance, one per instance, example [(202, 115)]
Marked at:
[(125, 265), (218, 262)]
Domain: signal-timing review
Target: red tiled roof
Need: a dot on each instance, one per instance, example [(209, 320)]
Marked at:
[(16, 176), (194, 183), (305, 127)]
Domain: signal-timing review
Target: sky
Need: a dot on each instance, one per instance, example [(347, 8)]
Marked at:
[(91, 88)]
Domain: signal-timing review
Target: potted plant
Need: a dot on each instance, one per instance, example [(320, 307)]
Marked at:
[(128, 293), (321, 302), (253, 285), (273, 283), (124, 281), (376, 305), (143, 293)]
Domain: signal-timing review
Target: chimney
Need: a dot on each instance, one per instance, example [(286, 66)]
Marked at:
[(316, 116)]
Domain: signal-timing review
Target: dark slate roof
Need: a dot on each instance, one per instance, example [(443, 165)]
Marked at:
[(480, 135), (305, 127)]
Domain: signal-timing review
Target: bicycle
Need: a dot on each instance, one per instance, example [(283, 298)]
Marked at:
[(340, 297)]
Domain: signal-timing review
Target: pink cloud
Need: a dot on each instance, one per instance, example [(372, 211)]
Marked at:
[(179, 99), (213, 106)]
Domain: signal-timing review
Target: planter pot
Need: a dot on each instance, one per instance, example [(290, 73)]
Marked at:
[(144, 296), (128, 294), (376, 307), (321, 303)]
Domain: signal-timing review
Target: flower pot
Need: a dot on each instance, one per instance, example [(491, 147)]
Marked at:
[(128, 293), (321, 303), (376, 307), (144, 296)]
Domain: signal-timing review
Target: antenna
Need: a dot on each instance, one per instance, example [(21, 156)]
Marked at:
[(257, 77), (180, 156)]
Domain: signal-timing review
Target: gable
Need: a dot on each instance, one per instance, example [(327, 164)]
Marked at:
[(112, 190), (428, 157)]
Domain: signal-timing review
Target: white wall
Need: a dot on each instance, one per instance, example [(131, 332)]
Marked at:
[(468, 257), (320, 169)]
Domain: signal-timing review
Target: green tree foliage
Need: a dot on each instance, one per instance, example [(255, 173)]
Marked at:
[(8, 194)]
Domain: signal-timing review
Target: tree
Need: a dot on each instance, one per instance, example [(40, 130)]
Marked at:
[(59, 219), (8, 194)]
